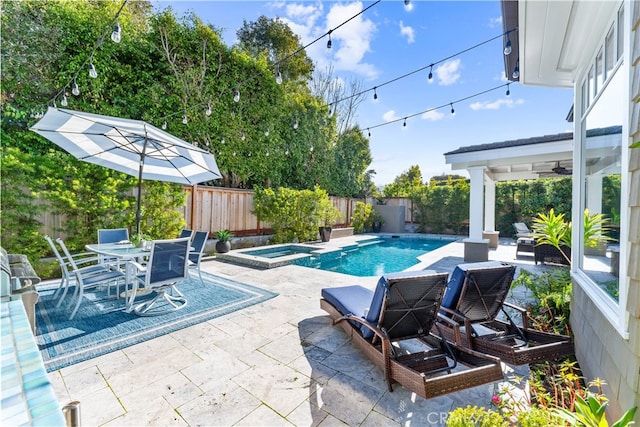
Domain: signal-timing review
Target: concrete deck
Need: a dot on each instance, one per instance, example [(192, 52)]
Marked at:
[(278, 363)]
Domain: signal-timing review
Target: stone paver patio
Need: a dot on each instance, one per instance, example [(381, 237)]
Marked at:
[(278, 363)]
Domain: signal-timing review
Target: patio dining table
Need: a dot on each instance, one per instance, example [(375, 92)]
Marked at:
[(127, 253)]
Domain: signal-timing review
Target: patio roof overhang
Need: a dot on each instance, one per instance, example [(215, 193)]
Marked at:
[(536, 157), (550, 43)]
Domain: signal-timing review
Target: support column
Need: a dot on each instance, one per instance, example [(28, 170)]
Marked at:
[(594, 194), (476, 248), (490, 213)]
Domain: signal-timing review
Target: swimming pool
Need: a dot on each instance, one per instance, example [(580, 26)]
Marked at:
[(369, 256), (388, 255)]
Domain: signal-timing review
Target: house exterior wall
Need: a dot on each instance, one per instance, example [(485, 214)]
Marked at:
[(602, 352)]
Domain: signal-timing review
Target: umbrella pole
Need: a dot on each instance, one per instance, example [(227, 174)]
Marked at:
[(139, 209)]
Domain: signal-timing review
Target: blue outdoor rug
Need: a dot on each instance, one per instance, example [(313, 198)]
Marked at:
[(100, 326)]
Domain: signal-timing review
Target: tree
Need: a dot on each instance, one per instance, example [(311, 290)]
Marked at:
[(405, 184), (274, 40)]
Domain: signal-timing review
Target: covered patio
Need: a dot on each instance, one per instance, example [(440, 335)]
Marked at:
[(547, 156)]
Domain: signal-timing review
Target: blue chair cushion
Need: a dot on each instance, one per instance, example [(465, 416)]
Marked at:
[(456, 281), (358, 300)]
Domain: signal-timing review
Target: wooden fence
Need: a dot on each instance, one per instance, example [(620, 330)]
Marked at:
[(219, 208)]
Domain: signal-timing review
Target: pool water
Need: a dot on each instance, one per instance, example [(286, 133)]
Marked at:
[(389, 256)]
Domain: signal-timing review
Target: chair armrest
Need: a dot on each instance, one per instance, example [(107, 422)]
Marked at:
[(377, 331), (138, 266), (524, 314), (458, 317)]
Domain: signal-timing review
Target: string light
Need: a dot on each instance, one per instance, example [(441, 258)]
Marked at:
[(92, 71), (329, 41), (278, 76), (430, 66), (208, 110), (114, 27), (164, 125), (516, 70), (507, 46), (405, 123), (243, 136), (295, 124), (452, 110), (375, 94), (236, 96), (222, 141), (266, 132), (508, 91), (115, 35), (369, 131), (184, 119), (450, 104), (63, 101)]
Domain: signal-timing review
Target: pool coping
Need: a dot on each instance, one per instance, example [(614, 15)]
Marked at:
[(315, 249)]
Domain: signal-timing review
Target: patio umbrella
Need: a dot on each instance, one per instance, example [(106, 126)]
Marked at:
[(130, 146)]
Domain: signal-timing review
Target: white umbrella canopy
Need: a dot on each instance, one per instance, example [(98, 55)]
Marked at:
[(130, 146)]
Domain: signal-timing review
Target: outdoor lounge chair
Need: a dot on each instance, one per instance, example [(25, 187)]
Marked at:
[(404, 306), (474, 298), (522, 230)]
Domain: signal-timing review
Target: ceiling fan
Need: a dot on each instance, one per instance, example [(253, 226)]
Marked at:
[(561, 170)]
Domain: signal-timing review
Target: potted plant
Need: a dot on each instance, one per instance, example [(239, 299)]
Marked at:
[(223, 244), (376, 221), (328, 214), (141, 240)]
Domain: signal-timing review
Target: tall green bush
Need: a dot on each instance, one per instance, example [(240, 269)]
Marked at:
[(293, 214)]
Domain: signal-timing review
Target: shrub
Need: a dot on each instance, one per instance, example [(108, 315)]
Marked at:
[(362, 217)]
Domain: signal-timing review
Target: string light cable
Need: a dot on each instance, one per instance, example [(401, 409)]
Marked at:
[(236, 88), (430, 67), (114, 30), (448, 104)]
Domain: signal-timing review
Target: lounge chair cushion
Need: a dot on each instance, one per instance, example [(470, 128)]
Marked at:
[(354, 299), (456, 282)]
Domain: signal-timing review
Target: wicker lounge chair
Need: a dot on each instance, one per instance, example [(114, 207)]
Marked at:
[(474, 297), (405, 306)]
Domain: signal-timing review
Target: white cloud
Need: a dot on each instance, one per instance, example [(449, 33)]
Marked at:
[(407, 32), (448, 73), (408, 7), (351, 42), (497, 104), (495, 22), (502, 77), (433, 115), (390, 116)]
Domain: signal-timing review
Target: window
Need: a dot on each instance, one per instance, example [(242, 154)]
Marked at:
[(609, 54), (620, 32), (599, 72)]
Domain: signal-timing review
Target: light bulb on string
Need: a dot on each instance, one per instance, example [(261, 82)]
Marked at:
[(243, 136), (329, 41), (115, 35), (508, 91), (164, 125), (507, 46), (286, 153), (222, 140), (311, 148), (184, 119), (405, 122), (369, 132), (64, 101), (431, 72), (452, 110), (249, 154), (278, 76), (236, 96), (267, 153), (516, 70), (266, 132), (207, 111), (295, 124), (92, 71), (75, 90), (375, 93)]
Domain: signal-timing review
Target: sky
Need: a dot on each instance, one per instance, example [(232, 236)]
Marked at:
[(390, 40)]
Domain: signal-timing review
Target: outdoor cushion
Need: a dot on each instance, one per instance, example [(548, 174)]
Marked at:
[(353, 299), (454, 287), (526, 241)]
